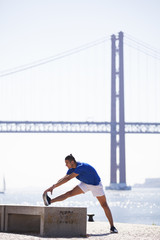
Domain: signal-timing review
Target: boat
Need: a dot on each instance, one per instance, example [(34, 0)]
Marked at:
[(3, 186)]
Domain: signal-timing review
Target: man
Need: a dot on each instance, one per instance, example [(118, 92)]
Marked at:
[(90, 181)]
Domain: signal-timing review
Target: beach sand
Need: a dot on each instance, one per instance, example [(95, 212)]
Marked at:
[(100, 230)]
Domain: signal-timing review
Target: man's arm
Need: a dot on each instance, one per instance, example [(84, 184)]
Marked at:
[(61, 182)]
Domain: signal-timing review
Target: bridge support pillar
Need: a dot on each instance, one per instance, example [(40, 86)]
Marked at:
[(118, 167)]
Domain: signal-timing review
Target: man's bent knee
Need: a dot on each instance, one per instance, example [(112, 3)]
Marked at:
[(103, 202), (104, 205)]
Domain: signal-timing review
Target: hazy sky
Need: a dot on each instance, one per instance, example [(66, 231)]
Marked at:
[(37, 29), (33, 29)]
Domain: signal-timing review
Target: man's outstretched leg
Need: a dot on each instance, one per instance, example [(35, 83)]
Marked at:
[(75, 191)]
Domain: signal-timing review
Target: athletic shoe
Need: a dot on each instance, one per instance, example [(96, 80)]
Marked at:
[(46, 199), (113, 230)]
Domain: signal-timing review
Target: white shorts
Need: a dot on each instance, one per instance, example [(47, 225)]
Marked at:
[(97, 190)]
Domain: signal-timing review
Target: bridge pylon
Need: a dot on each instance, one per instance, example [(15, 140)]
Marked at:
[(118, 164)]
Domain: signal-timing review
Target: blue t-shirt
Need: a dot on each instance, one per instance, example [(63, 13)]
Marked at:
[(87, 173)]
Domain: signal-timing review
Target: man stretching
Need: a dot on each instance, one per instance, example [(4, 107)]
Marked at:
[(90, 181)]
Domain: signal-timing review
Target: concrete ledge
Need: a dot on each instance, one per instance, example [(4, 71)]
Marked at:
[(1, 218), (68, 222), (24, 219), (46, 221)]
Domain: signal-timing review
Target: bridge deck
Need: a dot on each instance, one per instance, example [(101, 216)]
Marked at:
[(75, 127)]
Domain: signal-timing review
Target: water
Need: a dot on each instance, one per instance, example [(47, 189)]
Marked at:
[(140, 205)]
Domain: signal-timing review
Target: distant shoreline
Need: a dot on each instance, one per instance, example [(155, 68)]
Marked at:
[(149, 183)]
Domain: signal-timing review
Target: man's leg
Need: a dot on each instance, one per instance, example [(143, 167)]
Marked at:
[(106, 209), (75, 191)]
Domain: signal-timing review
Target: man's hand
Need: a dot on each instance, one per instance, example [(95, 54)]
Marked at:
[(49, 189), (61, 181)]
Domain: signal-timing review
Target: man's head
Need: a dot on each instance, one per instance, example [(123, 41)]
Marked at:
[(70, 161)]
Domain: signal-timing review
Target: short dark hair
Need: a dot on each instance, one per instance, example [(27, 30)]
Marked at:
[(70, 158)]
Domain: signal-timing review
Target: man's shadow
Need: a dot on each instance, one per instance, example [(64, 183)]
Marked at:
[(98, 235)]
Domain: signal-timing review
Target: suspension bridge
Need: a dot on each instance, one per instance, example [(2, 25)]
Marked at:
[(117, 126)]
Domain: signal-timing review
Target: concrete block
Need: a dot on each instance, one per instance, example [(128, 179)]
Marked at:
[(1, 218), (46, 221), (65, 222), (24, 219)]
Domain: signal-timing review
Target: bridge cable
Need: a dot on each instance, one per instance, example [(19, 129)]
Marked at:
[(53, 58)]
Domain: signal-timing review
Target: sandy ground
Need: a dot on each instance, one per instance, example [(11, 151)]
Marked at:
[(100, 230)]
